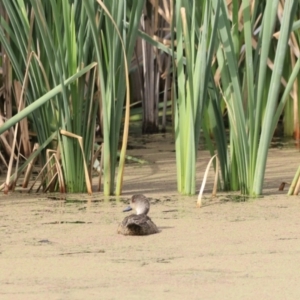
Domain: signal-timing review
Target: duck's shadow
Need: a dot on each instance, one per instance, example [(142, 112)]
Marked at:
[(165, 227)]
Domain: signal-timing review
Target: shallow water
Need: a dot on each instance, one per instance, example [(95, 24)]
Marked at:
[(66, 247), (54, 249)]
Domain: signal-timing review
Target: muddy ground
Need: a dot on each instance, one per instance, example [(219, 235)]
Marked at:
[(66, 247)]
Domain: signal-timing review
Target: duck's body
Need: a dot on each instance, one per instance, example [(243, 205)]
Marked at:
[(139, 223)]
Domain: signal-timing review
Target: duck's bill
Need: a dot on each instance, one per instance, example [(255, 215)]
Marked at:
[(127, 209)]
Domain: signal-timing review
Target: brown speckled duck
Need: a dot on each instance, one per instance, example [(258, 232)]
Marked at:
[(139, 223)]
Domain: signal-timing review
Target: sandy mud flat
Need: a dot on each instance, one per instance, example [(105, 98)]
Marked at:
[(66, 247)]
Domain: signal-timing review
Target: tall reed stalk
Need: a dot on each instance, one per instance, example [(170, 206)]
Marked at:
[(253, 110), (193, 42), (48, 43), (114, 26)]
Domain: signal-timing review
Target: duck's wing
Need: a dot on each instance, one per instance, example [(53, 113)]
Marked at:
[(139, 220), (139, 225)]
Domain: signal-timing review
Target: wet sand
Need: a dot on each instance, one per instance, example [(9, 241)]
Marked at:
[(66, 247)]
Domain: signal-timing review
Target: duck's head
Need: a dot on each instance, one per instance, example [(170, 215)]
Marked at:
[(139, 203)]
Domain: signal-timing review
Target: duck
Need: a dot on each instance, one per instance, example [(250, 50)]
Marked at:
[(139, 223)]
